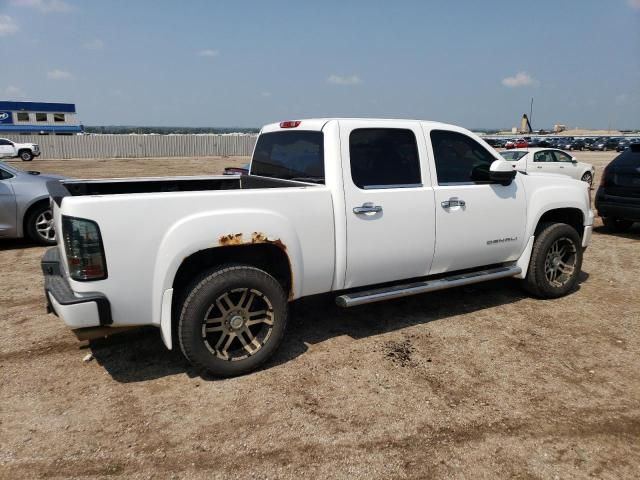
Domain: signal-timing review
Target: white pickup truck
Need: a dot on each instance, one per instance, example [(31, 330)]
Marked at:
[(368, 209), (24, 151)]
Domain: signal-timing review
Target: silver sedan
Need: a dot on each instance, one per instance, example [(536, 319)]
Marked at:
[(24, 205)]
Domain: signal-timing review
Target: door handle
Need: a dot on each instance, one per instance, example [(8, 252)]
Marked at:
[(367, 207), (454, 202)]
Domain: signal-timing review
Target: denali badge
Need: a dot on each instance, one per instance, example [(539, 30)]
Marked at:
[(502, 240)]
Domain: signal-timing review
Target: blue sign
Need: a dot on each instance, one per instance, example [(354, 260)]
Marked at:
[(6, 117)]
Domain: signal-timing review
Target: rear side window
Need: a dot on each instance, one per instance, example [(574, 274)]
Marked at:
[(628, 158), (294, 155), (459, 158), (4, 175), (544, 156), (384, 158)]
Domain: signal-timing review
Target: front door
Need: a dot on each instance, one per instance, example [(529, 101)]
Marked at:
[(389, 201), (478, 222), (544, 162), (7, 206), (564, 164)]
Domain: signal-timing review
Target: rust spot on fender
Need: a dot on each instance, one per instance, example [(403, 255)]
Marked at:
[(259, 237), (231, 239)]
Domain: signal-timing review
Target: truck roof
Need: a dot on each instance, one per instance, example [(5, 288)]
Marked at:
[(317, 124)]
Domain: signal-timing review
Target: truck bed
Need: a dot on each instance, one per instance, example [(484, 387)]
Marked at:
[(120, 186)]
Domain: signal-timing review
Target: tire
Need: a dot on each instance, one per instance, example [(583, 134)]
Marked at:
[(39, 225), (246, 309), (551, 272), (25, 155), (617, 225), (587, 177)]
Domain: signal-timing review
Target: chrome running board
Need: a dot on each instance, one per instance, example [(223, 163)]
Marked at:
[(415, 288)]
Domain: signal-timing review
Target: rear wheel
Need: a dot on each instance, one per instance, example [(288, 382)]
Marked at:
[(617, 225), (555, 262), (232, 320), (25, 155), (39, 225)]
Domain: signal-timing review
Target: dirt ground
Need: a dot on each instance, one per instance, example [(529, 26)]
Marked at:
[(475, 382)]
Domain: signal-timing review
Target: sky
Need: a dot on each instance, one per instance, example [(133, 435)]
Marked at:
[(246, 63)]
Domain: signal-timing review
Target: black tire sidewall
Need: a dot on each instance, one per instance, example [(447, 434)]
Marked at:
[(545, 239), (28, 154), (202, 295)]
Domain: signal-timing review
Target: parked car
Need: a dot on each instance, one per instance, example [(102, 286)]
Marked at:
[(509, 144), (618, 197), (24, 151), (216, 270), (550, 160), (625, 142), (242, 170), (604, 144), (24, 205), (521, 143), (545, 142), (569, 144)]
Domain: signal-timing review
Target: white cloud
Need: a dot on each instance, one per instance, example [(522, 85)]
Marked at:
[(208, 53), (520, 79), (44, 6), (634, 4), (13, 93), (344, 80), (59, 75), (8, 26), (96, 44)]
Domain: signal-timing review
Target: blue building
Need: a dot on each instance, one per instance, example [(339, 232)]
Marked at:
[(33, 118)]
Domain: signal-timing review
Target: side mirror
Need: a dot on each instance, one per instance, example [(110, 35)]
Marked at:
[(502, 172), (574, 160)]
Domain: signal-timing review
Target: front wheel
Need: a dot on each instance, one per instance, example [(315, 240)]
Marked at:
[(26, 156), (587, 177), (39, 225), (556, 261), (232, 320)]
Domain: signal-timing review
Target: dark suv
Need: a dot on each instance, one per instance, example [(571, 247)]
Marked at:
[(618, 197)]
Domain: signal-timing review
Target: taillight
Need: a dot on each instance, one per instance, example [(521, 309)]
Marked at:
[(290, 124), (604, 176), (83, 246)]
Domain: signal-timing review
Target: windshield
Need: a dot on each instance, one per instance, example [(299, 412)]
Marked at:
[(297, 155), (9, 168), (513, 156)]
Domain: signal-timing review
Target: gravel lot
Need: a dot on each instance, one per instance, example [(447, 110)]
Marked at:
[(476, 382)]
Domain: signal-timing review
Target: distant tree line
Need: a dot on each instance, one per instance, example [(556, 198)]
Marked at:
[(126, 129)]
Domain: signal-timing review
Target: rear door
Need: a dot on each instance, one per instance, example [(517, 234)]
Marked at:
[(389, 202), (543, 161), (6, 148), (478, 222)]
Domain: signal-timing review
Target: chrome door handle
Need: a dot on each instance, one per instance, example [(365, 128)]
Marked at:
[(453, 203), (367, 207)]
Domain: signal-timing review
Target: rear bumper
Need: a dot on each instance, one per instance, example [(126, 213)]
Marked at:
[(618, 207), (76, 310)]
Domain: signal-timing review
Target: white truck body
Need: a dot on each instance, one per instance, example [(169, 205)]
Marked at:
[(420, 230), (11, 149)]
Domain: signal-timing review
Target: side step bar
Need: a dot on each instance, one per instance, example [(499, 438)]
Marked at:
[(397, 291)]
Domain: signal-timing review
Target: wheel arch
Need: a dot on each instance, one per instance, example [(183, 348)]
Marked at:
[(570, 215)]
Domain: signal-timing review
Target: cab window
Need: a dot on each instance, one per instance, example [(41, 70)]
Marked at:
[(459, 158), (562, 157), (384, 158)]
